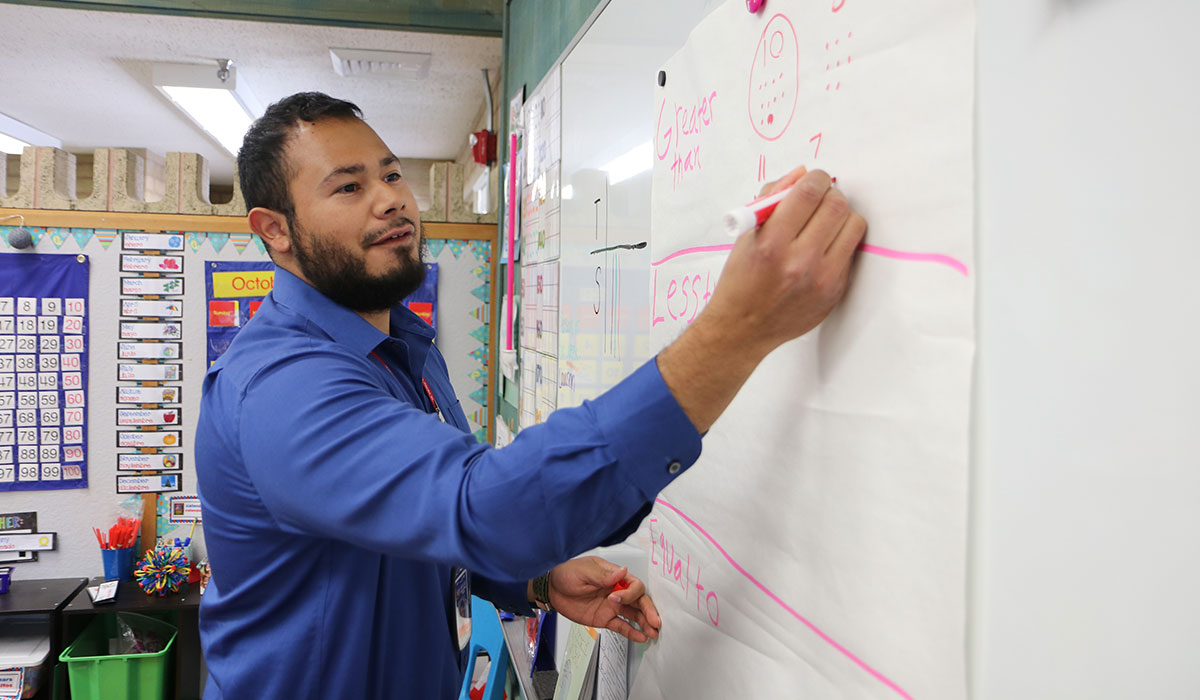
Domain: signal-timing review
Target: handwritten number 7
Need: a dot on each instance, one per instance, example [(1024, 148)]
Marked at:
[(816, 138)]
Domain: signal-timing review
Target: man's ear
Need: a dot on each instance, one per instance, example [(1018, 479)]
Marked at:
[(272, 227)]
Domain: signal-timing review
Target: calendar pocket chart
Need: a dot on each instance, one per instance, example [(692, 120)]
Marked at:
[(149, 322), (43, 371)]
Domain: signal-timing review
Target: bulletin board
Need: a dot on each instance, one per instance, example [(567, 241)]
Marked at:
[(147, 324)]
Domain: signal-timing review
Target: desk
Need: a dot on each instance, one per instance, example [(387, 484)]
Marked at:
[(42, 596), (183, 607)]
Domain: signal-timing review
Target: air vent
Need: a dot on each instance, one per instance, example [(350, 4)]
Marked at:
[(408, 65)]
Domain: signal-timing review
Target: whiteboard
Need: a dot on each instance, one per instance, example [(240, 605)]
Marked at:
[(608, 83), (1083, 536)]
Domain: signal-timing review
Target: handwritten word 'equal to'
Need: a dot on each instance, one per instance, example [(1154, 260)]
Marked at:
[(676, 566), (677, 134)]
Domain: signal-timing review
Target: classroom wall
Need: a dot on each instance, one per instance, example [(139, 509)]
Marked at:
[(463, 268)]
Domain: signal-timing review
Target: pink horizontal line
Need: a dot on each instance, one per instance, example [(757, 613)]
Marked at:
[(824, 637), (915, 257), (689, 251), (937, 258)]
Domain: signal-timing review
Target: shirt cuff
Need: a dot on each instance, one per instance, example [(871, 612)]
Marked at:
[(505, 595), (651, 436)]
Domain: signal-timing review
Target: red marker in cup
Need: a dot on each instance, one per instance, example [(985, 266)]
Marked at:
[(754, 214)]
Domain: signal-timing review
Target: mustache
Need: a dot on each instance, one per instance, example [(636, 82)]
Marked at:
[(372, 237)]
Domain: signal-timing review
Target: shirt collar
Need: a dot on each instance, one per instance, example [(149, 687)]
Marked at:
[(340, 323)]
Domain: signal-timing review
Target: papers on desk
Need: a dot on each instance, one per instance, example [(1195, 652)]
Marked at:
[(594, 666), (104, 593)]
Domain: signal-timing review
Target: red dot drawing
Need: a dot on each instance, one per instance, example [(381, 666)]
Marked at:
[(774, 79)]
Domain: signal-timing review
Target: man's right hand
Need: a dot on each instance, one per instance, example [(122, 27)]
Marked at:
[(779, 282)]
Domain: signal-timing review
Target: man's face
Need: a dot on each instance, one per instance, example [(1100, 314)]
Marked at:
[(356, 234)]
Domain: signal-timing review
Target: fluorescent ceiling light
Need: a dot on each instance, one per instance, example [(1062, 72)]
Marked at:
[(15, 136), (10, 145), (635, 161), (223, 109), (568, 191)]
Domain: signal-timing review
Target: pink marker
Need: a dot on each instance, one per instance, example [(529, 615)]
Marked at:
[(754, 214)]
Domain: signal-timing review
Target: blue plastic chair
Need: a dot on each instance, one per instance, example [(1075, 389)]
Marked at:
[(487, 637)]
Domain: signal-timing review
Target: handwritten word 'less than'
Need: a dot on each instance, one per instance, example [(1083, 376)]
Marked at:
[(681, 296), (677, 134), (676, 566)]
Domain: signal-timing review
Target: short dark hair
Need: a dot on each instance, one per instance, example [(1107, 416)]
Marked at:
[(263, 170)]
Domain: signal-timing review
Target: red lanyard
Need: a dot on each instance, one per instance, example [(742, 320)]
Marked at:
[(428, 391)]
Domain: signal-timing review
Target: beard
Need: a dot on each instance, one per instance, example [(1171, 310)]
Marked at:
[(338, 274)]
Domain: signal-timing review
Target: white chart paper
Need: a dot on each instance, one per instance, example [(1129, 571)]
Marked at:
[(818, 548)]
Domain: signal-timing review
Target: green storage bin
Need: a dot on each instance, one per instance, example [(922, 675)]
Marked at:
[(97, 675)]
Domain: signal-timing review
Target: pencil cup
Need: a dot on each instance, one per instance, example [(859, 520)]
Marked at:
[(118, 564)]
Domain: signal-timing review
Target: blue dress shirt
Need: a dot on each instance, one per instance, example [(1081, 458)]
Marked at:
[(336, 504)]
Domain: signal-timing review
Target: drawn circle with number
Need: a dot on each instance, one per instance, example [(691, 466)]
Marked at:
[(774, 79)]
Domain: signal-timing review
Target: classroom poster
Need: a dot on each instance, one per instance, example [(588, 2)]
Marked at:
[(43, 371), (818, 547), (233, 293), (423, 302)]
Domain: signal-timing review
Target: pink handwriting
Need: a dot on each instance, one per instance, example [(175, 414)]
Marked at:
[(889, 683), (674, 565), (677, 134), (684, 294)]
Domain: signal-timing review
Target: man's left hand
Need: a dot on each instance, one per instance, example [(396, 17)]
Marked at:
[(582, 591)]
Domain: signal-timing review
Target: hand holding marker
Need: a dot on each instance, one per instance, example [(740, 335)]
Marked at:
[(747, 218)]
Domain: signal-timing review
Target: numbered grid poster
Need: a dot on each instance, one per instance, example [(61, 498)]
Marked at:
[(233, 292), (43, 371)]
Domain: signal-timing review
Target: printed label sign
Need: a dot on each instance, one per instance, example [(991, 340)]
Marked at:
[(149, 484), (151, 241), (148, 351), (149, 286), (12, 683), (150, 438), (152, 263), (147, 416), (248, 283), (148, 394), (223, 313), (159, 309), (183, 509), (149, 373), (151, 462), (151, 331)]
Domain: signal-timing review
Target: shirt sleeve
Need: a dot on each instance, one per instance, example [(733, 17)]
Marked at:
[(331, 453), (505, 595)]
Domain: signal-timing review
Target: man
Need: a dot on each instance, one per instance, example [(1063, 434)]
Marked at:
[(341, 487)]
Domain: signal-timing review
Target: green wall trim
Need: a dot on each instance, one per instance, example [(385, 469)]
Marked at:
[(476, 17)]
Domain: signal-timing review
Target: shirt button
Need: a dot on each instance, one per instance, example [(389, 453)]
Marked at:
[(674, 467)]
